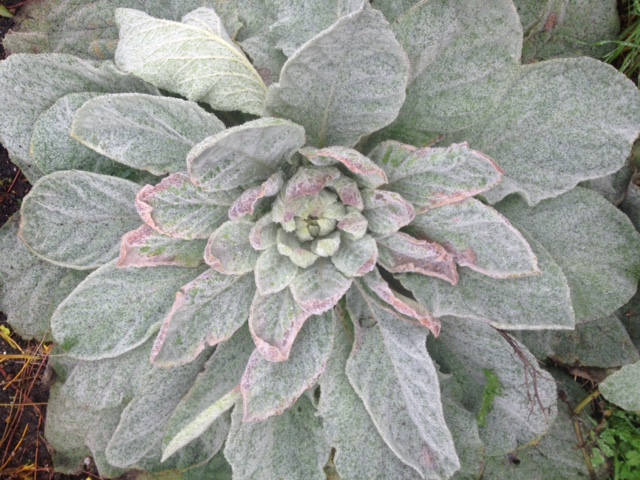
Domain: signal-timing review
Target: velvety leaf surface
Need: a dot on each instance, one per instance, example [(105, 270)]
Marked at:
[(33, 83), (525, 406), (140, 426), (345, 83), (209, 396), (246, 203), (243, 155), (75, 219), (144, 247), (392, 373), (228, 249), (270, 388), (363, 169), (177, 208), (432, 177), (216, 469), (601, 343), (143, 131), (319, 287), (84, 28), (206, 311), (386, 212), (290, 445), (30, 288), (593, 242), (623, 388), (53, 149), (188, 60), (478, 237), (274, 271), (463, 54), (114, 310), (274, 321), (569, 28), (534, 302), (612, 187), (356, 258), (561, 122), (361, 453), (400, 253)]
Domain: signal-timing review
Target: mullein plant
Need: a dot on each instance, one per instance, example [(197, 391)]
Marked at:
[(299, 240)]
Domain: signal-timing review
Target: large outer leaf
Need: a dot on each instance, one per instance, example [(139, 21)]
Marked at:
[(189, 60), (114, 310), (623, 387), (432, 177), (85, 28), (535, 302), (602, 343), (594, 243), (30, 288), (177, 208), (143, 131), (288, 446), (361, 453), (269, 388), (392, 373), (32, 83), (140, 428), (567, 28), (243, 155), (208, 398), (345, 83), (463, 54), (75, 219), (478, 237), (526, 404), (53, 149), (561, 122), (206, 311)]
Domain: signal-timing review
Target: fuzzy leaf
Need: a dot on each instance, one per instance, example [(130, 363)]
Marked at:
[(386, 212), (264, 233), (463, 55), (319, 287), (247, 202), (309, 181), (263, 450), (432, 177), (143, 131), (53, 149), (535, 302), (356, 258), (525, 405), (561, 122), (400, 253), (75, 219), (144, 247), (177, 208), (392, 373), (270, 388), (374, 282), (345, 83), (114, 309), (228, 249), (206, 311), (478, 237), (274, 271), (593, 242), (361, 453), (211, 393), (30, 288), (188, 60), (363, 169), (140, 427), (622, 387), (33, 83), (243, 155), (274, 321)]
